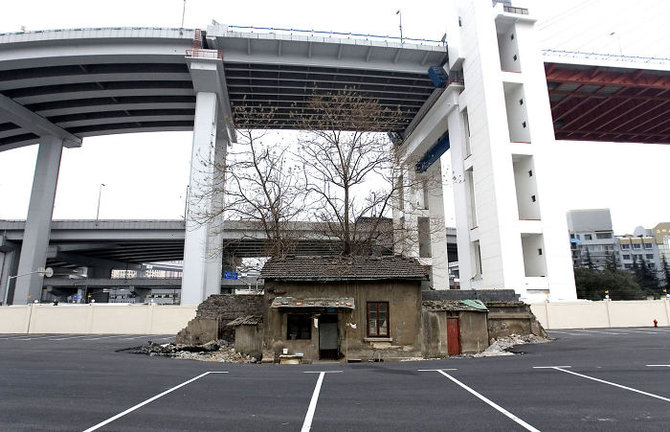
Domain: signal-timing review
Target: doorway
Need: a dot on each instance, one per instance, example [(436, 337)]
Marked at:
[(328, 337), (453, 336)]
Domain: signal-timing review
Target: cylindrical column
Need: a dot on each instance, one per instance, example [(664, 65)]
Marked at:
[(38, 223)]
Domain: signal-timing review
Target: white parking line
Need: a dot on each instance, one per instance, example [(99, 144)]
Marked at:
[(561, 369), (489, 402), (565, 332), (151, 399), (638, 331), (69, 337), (307, 424), (136, 337), (33, 338), (104, 337), (605, 332), (668, 365)]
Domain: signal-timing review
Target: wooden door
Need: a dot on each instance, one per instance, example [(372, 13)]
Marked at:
[(453, 336)]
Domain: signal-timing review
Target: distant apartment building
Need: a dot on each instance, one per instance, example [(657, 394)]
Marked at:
[(661, 233), (638, 247), (591, 235)]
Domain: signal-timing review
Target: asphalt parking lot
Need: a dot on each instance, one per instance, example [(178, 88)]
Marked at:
[(586, 380)]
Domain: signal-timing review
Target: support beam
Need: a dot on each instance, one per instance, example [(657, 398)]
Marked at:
[(38, 223), (19, 115)]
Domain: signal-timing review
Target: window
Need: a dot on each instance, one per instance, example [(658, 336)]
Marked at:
[(649, 256), (637, 246), (625, 246), (588, 237), (603, 235), (626, 256), (652, 265), (378, 323), (627, 266), (647, 246), (298, 326)]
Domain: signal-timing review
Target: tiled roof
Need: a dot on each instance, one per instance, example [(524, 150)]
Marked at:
[(337, 268)]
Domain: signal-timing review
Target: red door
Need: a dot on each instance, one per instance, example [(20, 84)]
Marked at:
[(453, 336)]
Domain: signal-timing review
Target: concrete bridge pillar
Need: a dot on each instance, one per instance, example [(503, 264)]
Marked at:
[(202, 247), (434, 197), (38, 223)]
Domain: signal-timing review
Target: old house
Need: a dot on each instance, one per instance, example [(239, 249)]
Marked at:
[(343, 307)]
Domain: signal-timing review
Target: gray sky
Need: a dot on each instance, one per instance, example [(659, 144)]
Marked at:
[(146, 174)]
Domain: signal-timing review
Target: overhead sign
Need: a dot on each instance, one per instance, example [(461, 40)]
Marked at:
[(230, 275)]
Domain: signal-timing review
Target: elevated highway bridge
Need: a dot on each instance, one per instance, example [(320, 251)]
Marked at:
[(502, 101)]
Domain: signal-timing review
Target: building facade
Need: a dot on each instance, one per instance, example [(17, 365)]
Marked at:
[(591, 237)]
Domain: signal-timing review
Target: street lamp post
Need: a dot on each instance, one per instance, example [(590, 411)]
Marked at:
[(399, 13), (45, 272), (97, 213)]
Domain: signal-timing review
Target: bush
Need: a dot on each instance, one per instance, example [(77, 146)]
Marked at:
[(592, 284)]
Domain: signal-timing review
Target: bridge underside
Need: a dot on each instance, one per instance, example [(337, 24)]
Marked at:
[(593, 103), (144, 84)]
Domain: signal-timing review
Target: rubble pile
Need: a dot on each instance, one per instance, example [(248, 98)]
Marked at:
[(500, 346), (214, 351)]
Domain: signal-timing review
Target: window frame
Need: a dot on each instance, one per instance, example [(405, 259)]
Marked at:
[(307, 324), (376, 333)]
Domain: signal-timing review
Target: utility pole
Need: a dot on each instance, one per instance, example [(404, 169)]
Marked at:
[(399, 13), (97, 213)]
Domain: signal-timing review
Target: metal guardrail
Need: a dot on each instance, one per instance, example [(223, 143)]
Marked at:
[(605, 56), (339, 34)]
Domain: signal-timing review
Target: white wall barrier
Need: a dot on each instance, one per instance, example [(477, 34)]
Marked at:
[(95, 318), (602, 314)]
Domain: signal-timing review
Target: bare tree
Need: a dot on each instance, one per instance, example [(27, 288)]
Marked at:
[(349, 167), (258, 186)]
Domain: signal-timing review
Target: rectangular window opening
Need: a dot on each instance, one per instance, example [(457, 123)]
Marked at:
[(378, 319), (298, 326)]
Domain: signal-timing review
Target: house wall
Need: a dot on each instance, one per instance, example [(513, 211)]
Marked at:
[(404, 298), (248, 340), (434, 334), (474, 332)]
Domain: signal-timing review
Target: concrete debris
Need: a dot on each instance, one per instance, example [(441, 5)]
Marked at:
[(214, 351), (502, 345)]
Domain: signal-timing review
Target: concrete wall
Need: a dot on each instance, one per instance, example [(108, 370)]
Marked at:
[(602, 314), (249, 340), (95, 318), (434, 333), (474, 332)]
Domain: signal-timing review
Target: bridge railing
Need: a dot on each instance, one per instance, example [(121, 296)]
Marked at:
[(349, 35)]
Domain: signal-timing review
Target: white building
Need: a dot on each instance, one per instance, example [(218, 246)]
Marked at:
[(497, 114)]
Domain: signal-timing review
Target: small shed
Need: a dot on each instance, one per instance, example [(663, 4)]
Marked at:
[(454, 327), (248, 335), (343, 307)]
